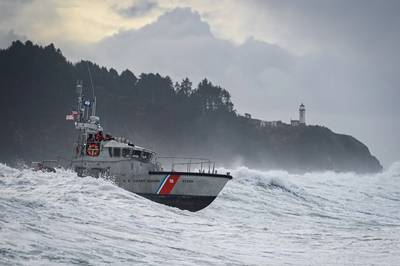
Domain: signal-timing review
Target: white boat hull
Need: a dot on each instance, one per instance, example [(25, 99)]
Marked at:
[(191, 191)]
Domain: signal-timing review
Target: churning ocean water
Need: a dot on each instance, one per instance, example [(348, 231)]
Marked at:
[(260, 218)]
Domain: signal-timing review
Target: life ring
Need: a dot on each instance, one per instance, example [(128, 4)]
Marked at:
[(93, 149)]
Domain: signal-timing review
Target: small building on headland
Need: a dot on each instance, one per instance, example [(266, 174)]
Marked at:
[(271, 123), (294, 123)]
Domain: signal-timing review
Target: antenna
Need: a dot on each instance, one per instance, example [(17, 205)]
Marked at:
[(91, 83), (79, 89)]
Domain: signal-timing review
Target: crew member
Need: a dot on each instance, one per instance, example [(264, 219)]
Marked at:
[(99, 136)]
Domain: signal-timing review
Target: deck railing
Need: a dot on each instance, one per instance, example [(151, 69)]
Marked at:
[(187, 164)]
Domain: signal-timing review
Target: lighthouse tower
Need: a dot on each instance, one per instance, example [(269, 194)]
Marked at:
[(302, 114)]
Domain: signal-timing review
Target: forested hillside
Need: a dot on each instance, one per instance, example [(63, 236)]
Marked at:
[(174, 118)]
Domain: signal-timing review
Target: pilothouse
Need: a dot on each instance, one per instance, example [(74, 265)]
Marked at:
[(190, 184)]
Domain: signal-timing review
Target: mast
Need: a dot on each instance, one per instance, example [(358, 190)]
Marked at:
[(79, 90), (93, 95), (86, 119)]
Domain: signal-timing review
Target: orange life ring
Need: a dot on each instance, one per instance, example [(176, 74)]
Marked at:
[(93, 149)]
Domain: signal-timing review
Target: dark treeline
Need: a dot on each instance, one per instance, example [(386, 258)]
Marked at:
[(182, 119)]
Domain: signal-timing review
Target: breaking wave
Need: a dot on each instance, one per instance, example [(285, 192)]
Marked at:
[(260, 218)]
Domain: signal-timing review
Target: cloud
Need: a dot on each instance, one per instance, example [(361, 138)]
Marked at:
[(362, 24), (9, 9), (6, 38), (139, 8), (74, 21), (181, 44), (265, 79)]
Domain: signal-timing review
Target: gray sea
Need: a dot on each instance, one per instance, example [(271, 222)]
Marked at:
[(260, 218)]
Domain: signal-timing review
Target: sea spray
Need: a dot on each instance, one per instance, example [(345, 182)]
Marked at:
[(260, 218)]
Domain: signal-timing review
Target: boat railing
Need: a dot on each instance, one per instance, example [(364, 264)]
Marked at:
[(188, 164), (59, 162)]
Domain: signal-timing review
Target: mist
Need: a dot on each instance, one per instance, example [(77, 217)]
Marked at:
[(339, 58)]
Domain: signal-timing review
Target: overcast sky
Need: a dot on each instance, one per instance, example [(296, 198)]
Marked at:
[(340, 58)]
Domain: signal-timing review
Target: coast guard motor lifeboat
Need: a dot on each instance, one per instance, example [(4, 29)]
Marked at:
[(138, 169)]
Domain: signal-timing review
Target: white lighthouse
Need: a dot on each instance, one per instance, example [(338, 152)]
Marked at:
[(302, 114)]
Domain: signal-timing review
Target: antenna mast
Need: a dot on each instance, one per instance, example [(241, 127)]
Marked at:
[(91, 83), (79, 89)]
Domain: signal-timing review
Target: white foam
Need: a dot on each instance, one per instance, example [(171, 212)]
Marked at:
[(260, 218)]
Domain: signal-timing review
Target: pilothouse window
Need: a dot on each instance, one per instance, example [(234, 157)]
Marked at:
[(126, 152), (136, 153), (147, 156), (117, 152), (90, 138)]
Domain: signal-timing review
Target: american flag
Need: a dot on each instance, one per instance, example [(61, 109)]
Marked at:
[(72, 116)]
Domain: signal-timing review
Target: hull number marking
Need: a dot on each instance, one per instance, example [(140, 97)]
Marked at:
[(167, 184)]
